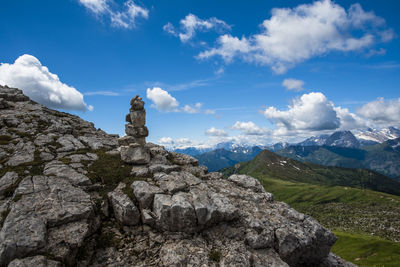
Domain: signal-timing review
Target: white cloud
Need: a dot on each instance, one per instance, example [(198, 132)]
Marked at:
[(312, 112), (161, 99), (249, 128), (215, 132), (196, 108), (293, 35), (96, 6), (381, 111), (42, 86), (293, 84), (191, 24), (165, 141), (125, 18), (164, 101)]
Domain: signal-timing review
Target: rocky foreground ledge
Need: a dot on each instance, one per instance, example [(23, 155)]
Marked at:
[(68, 199)]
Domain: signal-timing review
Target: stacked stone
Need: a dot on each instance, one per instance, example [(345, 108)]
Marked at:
[(133, 148)]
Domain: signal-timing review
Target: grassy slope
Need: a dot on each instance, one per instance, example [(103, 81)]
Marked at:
[(269, 164), (382, 158), (353, 214), (365, 250)]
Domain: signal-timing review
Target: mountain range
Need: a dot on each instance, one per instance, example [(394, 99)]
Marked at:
[(370, 149)]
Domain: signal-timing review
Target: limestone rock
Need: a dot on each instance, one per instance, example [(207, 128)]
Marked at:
[(36, 261), (144, 193), (182, 159), (178, 214), (154, 168), (138, 117), (247, 181), (140, 171), (69, 143), (58, 169), (45, 202), (174, 213), (135, 154), (124, 209), (24, 153), (8, 180), (136, 131)]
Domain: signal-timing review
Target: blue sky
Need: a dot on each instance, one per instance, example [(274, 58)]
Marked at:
[(340, 60)]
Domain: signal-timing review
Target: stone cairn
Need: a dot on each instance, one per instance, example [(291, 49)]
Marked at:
[(132, 146)]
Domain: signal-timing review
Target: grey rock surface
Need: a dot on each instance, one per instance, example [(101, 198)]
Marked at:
[(66, 199), (124, 209), (35, 261), (135, 154)]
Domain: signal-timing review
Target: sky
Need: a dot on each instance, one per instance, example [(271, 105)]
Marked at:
[(209, 71)]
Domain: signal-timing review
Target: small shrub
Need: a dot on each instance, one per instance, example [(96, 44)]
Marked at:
[(108, 169), (215, 255), (5, 139), (4, 215)]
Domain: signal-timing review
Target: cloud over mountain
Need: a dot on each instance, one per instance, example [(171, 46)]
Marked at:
[(248, 128), (311, 112), (382, 111), (42, 86), (215, 132)]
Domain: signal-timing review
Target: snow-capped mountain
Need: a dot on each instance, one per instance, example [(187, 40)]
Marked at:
[(314, 141), (278, 146), (378, 136), (342, 139)]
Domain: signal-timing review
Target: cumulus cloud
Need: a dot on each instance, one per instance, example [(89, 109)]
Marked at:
[(293, 35), (312, 112), (381, 111), (119, 17), (293, 85), (215, 132), (161, 99), (164, 101), (42, 86), (248, 128), (192, 24)]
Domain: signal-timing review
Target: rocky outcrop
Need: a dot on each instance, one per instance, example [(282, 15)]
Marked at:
[(79, 199)]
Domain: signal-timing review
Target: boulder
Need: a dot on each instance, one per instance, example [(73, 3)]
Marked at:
[(138, 117), (174, 213), (127, 140), (144, 193), (136, 131), (140, 171), (182, 159), (247, 181), (124, 209), (135, 154)]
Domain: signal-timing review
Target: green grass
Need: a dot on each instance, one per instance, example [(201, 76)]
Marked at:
[(352, 213), (365, 250)]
